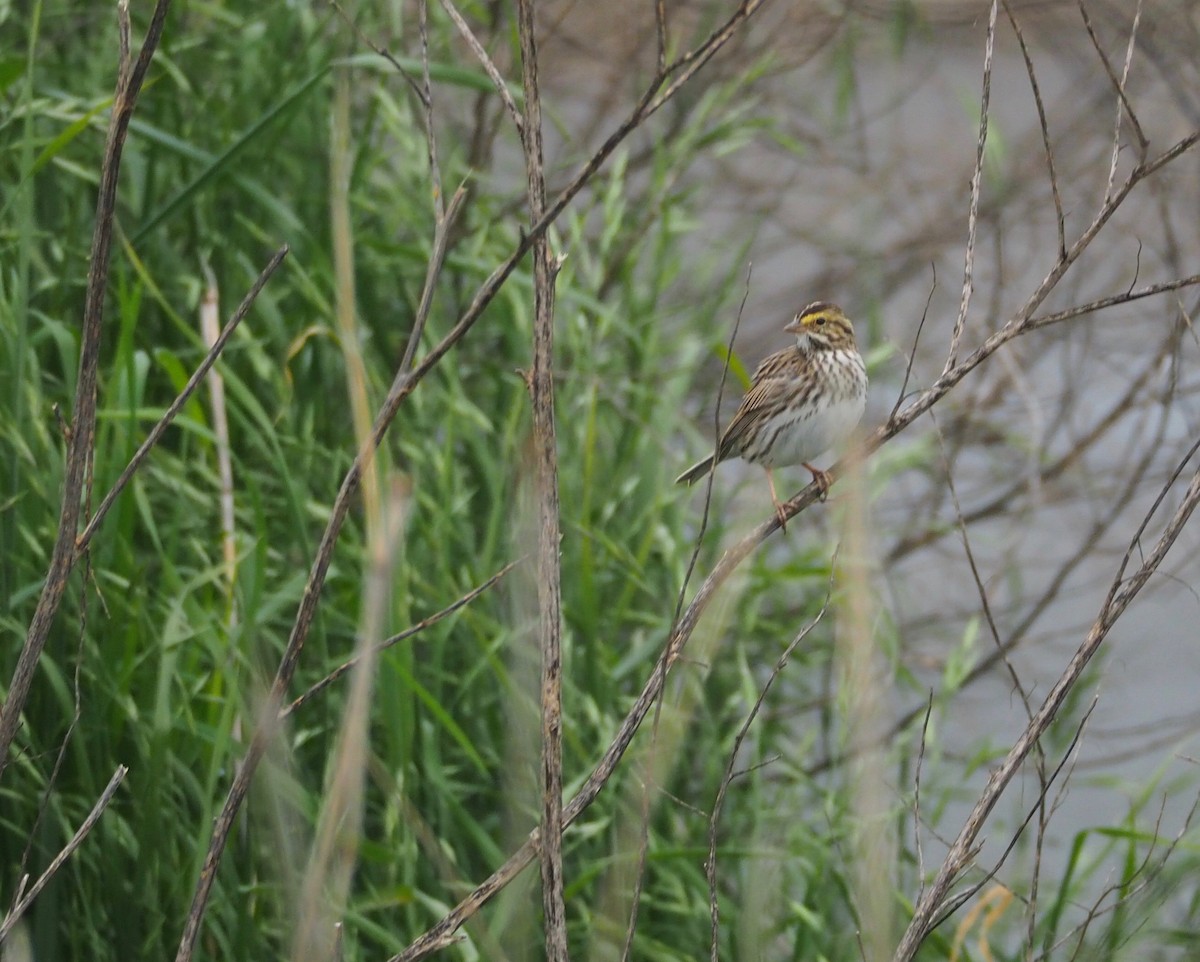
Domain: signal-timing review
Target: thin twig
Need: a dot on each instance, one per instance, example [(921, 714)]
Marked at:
[(980, 589), (435, 170), (395, 639), (1119, 84), (916, 806), (181, 399), (1060, 219), (902, 394), (383, 52), (976, 187), (489, 66), (83, 424), (68, 850), (660, 33), (1045, 320), (710, 865), (434, 268)]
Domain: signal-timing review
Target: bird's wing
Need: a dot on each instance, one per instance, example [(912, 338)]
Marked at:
[(762, 400)]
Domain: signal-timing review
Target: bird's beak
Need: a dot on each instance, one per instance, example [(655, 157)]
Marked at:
[(794, 326)]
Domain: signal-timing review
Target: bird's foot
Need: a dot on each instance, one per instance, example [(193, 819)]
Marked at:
[(822, 479), (781, 514)]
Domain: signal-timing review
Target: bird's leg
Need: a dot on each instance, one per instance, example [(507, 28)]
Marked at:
[(779, 512), (822, 479)]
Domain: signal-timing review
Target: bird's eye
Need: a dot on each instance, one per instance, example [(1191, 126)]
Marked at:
[(821, 319)]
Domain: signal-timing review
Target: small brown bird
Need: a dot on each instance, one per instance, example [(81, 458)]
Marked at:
[(802, 401)]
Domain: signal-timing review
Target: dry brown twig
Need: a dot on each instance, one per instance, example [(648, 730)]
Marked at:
[(710, 865), (168, 416), (435, 168), (130, 76), (1060, 218), (976, 187), (395, 639), (540, 381), (24, 897), (644, 832), (489, 66), (1119, 83)]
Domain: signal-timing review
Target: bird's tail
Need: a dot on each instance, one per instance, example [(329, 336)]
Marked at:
[(696, 471)]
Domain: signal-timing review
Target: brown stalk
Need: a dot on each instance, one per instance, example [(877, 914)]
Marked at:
[(420, 626), (130, 77), (1060, 219), (181, 399), (26, 897), (710, 865), (489, 66), (540, 381), (968, 285), (1118, 83)]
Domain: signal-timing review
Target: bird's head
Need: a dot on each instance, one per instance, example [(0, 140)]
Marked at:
[(822, 326)]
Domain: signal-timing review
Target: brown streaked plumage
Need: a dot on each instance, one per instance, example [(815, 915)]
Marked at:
[(802, 400)]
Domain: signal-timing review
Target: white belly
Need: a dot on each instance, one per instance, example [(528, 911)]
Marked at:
[(801, 440)]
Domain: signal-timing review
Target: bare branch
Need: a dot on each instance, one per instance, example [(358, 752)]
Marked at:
[(27, 896), (902, 394), (976, 186), (1060, 219), (710, 865), (435, 170), (660, 31), (395, 639), (488, 65), (1122, 592), (549, 565), (1118, 83), (168, 416), (83, 424), (1045, 320), (985, 604), (383, 52)]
